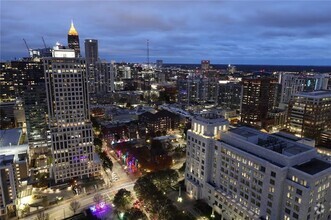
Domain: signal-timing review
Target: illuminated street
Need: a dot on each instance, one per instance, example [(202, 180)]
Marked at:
[(62, 210)]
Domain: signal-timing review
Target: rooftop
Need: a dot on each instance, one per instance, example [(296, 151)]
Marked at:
[(316, 94), (10, 137), (243, 132), (6, 159), (313, 166), (271, 142)]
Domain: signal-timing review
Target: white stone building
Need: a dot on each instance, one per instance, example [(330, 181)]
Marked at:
[(246, 174)]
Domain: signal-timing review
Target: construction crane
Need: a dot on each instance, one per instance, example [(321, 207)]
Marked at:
[(44, 42), (27, 47)]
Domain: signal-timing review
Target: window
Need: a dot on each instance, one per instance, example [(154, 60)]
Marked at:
[(299, 192), (273, 174), (270, 197), (272, 182), (295, 215), (262, 169)]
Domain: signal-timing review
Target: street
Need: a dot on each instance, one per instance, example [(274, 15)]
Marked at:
[(61, 211), (112, 185)]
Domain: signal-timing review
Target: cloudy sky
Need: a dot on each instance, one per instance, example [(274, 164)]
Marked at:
[(233, 31)]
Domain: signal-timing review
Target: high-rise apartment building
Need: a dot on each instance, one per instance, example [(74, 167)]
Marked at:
[(192, 90), (35, 112), (243, 173), (15, 76), (229, 94), (91, 51), (69, 117), (294, 83), (100, 78), (309, 113), (100, 74), (73, 40), (258, 97)]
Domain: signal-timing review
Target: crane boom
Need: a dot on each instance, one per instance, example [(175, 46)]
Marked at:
[(27, 47), (44, 42)]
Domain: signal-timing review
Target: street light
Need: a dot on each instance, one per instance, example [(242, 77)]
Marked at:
[(180, 199), (212, 213)]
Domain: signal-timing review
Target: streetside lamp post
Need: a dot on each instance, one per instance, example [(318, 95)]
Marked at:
[(180, 199)]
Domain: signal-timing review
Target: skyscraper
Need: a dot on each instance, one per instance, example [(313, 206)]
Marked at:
[(73, 40), (91, 51), (258, 97), (68, 117)]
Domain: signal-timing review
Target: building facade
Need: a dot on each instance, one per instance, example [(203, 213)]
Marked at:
[(294, 83), (15, 76), (161, 121), (243, 173), (258, 97), (309, 113), (192, 90), (69, 118), (91, 51), (229, 95), (13, 171)]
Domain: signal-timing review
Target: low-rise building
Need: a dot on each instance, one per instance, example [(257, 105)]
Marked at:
[(161, 121)]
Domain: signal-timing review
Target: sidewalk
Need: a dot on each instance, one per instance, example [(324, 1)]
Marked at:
[(186, 205)]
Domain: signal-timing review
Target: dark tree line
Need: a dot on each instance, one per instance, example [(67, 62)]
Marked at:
[(151, 189)]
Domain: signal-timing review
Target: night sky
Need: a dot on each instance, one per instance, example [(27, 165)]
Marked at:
[(294, 32)]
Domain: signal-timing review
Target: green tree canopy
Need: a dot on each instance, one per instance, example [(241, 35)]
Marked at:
[(106, 161), (135, 214), (123, 200)]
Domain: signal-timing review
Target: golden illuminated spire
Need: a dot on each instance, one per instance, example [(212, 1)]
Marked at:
[(72, 30)]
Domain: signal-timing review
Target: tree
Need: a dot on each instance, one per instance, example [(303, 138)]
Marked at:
[(98, 198), (97, 142), (122, 200), (74, 206), (135, 214), (106, 161), (151, 190), (42, 216), (164, 179), (182, 169)]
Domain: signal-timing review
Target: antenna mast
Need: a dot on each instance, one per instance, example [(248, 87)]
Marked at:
[(147, 53)]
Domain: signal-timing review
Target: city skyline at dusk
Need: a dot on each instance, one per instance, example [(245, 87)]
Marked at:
[(163, 109), (236, 32)]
